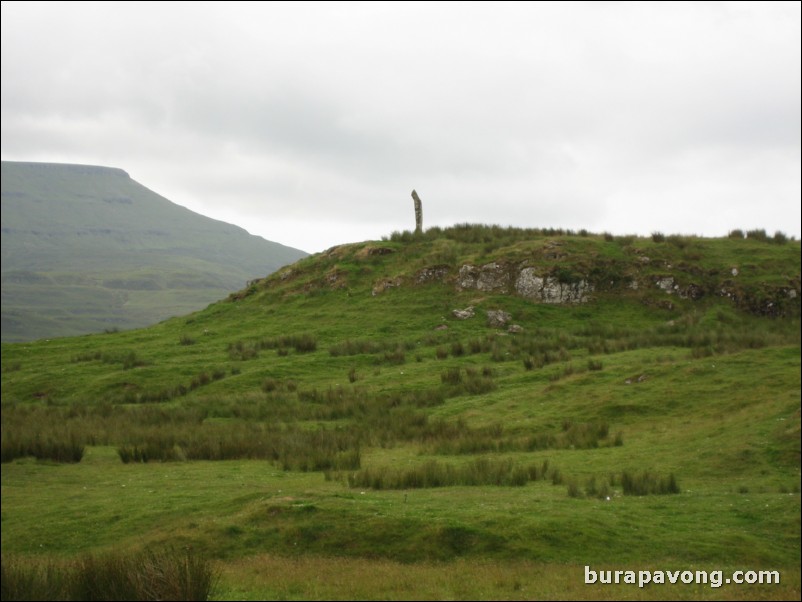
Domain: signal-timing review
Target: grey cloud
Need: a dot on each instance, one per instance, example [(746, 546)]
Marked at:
[(616, 116)]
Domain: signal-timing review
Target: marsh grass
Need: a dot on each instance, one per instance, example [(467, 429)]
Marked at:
[(57, 446), (127, 359), (479, 472), (149, 575), (648, 483)]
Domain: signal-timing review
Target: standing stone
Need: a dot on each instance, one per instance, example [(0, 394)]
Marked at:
[(418, 213)]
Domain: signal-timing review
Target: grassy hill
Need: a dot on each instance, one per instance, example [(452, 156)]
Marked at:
[(336, 430), (86, 248)]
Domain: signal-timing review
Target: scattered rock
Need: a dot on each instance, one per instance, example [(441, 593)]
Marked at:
[(386, 283), (436, 273), (334, 275), (515, 328), (373, 251), (692, 291), (463, 314), (734, 271), (666, 284), (441, 327), (496, 318), (639, 379)]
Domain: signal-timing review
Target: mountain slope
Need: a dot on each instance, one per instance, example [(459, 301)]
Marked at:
[(87, 248)]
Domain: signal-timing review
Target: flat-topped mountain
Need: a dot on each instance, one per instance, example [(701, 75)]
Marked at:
[(87, 249)]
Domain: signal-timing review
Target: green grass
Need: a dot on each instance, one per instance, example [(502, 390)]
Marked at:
[(382, 458), (325, 578)]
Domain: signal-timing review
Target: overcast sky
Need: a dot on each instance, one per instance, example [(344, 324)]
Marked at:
[(310, 124)]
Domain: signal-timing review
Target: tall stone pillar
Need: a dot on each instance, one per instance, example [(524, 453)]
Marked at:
[(418, 213)]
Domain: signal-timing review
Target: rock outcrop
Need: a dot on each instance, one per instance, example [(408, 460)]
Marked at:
[(437, 273), (548, 277), (525, 281), (490, 278), (549, 289)]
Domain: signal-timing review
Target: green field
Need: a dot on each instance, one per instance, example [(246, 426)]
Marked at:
[(322, 435)]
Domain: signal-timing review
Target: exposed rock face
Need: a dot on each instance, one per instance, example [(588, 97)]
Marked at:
[(529, 284), (670, 286), (537, 284), (551, 290), (500, 278), (777, 301), (492, 277), (562, 292), (548, 275), (468, 275), (436, 273)]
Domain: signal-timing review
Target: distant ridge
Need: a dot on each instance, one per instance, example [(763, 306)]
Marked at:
[(86, 248), (72, 168)]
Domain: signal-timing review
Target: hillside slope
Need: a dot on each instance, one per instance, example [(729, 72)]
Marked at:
[(474, 399), (86, 248)]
